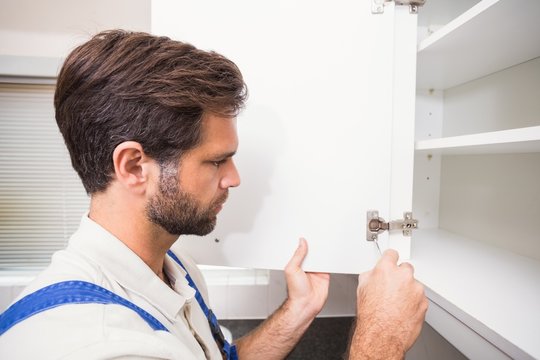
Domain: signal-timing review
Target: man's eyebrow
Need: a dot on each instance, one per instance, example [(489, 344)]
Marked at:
[(224, 155)]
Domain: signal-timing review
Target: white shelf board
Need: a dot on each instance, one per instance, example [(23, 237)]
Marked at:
[(493, 291), (522, 140), (491, 36)]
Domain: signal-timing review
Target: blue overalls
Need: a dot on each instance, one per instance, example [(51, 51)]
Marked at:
[(82, 292)]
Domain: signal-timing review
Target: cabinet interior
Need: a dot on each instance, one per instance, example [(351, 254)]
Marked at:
[(488, 197), (477, 173)]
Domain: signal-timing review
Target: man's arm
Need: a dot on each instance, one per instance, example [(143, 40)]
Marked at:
[(277, 336), (391, 307)]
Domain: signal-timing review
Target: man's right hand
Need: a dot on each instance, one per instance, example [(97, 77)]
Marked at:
[(391, 307)]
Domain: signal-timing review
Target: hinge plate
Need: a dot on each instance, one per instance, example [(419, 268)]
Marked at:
[(376, 225), (377, 6)]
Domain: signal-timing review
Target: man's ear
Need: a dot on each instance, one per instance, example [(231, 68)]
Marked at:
[(132, 167)]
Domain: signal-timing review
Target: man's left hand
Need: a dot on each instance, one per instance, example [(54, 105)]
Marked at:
[(307, 292)]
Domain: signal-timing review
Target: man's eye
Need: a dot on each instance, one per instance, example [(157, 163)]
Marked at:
[(219, 162)]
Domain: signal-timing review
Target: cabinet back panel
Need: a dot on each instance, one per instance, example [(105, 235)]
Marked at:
[(494, 199), (504, 100)]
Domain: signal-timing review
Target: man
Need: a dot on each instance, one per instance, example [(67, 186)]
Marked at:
[(150, 125)]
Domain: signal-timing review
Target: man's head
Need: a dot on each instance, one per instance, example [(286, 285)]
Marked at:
[(122, 86), (134, 88)]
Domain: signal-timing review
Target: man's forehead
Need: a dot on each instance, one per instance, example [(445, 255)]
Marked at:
[(219, 134), (214, 122)]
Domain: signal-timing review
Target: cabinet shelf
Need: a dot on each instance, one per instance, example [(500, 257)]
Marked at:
[(454, 268), (522, 140), (470, 46)]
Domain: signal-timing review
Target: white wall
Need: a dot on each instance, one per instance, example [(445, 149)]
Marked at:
[(52, 28)]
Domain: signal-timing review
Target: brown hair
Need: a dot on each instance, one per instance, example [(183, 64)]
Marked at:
[(122, 86)]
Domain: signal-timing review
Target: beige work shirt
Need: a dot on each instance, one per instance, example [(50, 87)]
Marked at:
[(96, 331)]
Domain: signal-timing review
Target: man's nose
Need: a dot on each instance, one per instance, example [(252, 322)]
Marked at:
[(232, 177)]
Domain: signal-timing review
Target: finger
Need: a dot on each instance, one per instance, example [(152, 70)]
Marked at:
[(319, 274), (408, 266), (299, 255), (389, 256)]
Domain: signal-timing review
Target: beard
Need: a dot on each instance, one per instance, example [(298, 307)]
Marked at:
[(177, 211)]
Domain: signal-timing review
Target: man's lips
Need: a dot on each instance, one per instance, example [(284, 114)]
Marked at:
[(221, 203)]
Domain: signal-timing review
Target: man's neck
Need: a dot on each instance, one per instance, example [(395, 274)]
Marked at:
[(126, 220)]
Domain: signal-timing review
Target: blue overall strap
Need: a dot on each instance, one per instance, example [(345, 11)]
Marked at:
[(64, 293), (228, 349)]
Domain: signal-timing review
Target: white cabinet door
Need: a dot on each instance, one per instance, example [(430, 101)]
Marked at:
[(327, 133)]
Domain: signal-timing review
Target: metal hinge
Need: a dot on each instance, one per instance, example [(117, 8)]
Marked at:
[(376, 225), (377, 6)]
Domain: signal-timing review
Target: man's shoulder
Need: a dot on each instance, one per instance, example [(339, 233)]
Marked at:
[(84, 331), (65, 266)]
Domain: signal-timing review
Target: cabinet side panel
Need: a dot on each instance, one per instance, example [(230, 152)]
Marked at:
[(402, 161), (427, 166)]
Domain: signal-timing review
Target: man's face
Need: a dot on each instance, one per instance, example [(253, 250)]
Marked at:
[(188, 201)]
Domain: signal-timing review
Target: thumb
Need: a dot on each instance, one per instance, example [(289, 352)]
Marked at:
[(299, 255)]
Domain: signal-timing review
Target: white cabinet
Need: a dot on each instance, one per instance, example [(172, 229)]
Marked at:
[(328, 135), (477, 178)]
